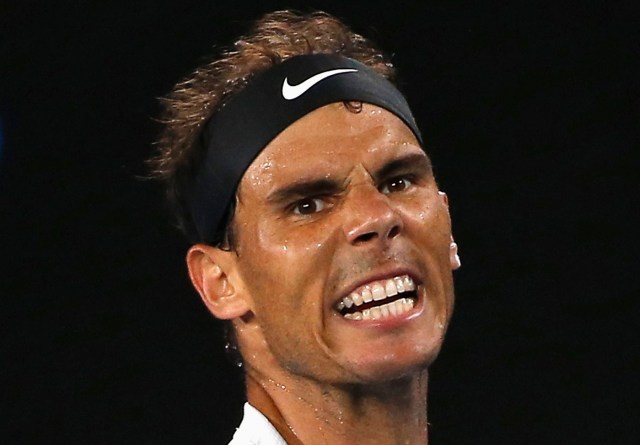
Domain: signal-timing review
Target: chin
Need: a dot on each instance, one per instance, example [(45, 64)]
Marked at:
[(402, 363)]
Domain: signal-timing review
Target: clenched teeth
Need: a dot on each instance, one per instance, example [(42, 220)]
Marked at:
[(379, 291), (392, 309)]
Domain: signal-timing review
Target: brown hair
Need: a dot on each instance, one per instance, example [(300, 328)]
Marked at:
[(274, 38)]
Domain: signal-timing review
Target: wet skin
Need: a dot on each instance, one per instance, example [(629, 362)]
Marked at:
[(337, 200)]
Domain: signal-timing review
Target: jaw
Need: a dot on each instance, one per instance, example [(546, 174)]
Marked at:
[(388, 348), (317, 342)]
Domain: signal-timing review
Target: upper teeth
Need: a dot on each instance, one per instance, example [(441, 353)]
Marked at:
[(377, 291)]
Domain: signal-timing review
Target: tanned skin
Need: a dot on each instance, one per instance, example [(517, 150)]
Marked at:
[(337, 201)]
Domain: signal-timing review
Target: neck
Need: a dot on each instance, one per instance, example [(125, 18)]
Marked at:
[(306, 412)]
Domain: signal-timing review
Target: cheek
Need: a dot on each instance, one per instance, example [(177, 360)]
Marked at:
[(427, 217), (286, 266), (430, 228), (285, 274)]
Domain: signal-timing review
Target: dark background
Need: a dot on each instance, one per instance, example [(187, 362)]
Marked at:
[(530, 112)]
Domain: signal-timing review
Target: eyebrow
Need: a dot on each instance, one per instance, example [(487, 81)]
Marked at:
[(303, 188), (412, 162)]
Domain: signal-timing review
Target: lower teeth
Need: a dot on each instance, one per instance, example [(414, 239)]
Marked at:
[(395, 308)]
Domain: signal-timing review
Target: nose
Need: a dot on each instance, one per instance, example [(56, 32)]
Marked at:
[(370, 218)]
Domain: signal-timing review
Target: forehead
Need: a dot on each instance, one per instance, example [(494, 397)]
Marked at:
[(329, 141)]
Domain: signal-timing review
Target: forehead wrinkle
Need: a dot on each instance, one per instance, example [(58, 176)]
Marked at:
[(359, 175), (319, 181), (314, 140), (380, 164), (331, 139)]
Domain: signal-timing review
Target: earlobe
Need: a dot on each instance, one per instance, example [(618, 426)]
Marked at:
[(209, 270), (454, 258), (444, 197)]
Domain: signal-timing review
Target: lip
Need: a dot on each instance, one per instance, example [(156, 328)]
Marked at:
[(384, 273)]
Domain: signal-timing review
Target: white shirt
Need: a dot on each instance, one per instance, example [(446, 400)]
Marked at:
[(255, 429)]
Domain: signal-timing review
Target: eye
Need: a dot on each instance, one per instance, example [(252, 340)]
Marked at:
[(309, 206), (395, 185)]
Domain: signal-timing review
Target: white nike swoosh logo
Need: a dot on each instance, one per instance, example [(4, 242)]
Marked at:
[(291, 92)]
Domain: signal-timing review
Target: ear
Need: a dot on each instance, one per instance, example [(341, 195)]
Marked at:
[(210, 272), (444, 197), (454, 258)]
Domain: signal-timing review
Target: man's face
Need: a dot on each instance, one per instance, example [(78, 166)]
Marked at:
[(344, 204)]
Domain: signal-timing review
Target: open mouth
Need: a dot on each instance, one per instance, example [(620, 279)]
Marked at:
[(379, 299)]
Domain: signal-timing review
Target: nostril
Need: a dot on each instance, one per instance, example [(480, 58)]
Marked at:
[(365, 237), (369, 236), (395, 231)]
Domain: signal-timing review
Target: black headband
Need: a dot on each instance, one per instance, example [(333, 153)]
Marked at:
[(272, 101)]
